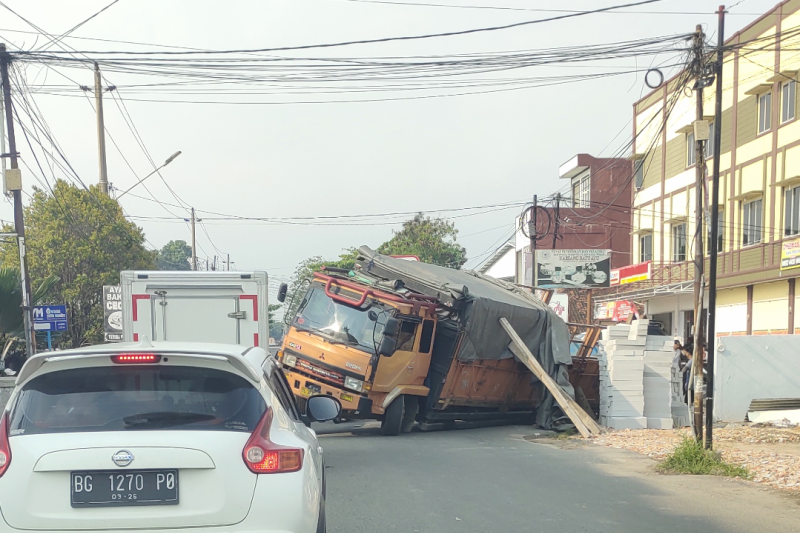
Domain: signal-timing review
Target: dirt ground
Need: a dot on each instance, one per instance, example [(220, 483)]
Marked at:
[(771, 454)]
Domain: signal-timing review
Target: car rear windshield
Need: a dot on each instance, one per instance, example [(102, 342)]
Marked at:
[(136, 398)]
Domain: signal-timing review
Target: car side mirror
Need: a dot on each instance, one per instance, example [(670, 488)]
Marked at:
[(388, 346), (282, 292), (322, 408), (391, 328)]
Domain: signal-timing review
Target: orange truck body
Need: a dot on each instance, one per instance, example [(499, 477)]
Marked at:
[(329, 349)]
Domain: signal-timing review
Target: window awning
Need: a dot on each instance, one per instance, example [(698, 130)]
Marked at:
[(747, 196), (788, 182), (784, 75), (761, 88)]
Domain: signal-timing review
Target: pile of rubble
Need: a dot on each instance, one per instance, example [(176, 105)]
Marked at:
[(771, 454)]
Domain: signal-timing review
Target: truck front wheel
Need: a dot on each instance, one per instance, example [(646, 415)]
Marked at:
[(393, 417)]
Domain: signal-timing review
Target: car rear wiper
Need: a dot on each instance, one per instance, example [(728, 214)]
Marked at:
[(164, 418)]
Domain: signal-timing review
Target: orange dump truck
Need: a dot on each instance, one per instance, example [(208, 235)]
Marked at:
[(405, 342)]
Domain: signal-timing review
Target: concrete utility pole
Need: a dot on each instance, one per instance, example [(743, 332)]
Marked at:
[(712, 267), (228, 262), (19, 223), (194, 242), (699, 259), (101, 129)]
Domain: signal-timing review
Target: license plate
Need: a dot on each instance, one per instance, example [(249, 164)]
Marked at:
[(346, 397), (133, 487), (313, 388)]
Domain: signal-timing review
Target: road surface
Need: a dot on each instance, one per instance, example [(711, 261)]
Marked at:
[(509, 480)]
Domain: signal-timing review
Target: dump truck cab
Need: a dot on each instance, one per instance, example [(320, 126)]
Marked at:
[(369, 347)]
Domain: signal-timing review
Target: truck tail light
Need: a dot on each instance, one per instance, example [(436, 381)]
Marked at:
[(5, 445), (135, 358), (262, 456)]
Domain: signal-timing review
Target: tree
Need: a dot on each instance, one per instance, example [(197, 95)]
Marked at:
[(175, 255), (275, 327), (433, 240), (82, 237), (12, 319)]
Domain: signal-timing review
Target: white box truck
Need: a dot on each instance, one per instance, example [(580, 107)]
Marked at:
[(220, 307)]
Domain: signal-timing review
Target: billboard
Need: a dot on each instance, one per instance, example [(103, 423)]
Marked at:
[(573, 269), (112, 313), (790, 254), (631, 273)]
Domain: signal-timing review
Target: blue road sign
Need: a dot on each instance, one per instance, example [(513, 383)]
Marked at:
[(50, 318)]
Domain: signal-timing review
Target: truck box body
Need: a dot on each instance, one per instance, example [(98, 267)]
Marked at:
[(218, 307)]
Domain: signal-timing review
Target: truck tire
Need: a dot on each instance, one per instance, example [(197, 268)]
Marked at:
[(393, 417), (410, 414)]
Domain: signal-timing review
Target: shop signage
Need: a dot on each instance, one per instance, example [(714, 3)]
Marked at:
[(632, 273), (576, 269), (617, 311), (559, 303), (790, 254)]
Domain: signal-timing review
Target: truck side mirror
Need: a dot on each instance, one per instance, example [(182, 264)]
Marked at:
[(282, 292), (391, 328), (388, 346)]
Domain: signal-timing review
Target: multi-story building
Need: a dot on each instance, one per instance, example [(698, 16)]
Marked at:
[(759, 208)]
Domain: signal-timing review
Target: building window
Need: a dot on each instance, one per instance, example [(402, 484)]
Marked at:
[(720, 233), (764, 112), (751, 222), (679, 243), (638, 173), (580, 191), (645, 248), (788, 99), (691, 150), (791, 209), (710, 141)]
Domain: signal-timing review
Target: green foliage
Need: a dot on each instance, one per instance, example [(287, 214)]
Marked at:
[(690, 457), (433, 240), (82, 237), (175, 255), (12, 320)]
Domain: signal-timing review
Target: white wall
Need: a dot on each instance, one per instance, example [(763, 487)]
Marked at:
[(505, 267)]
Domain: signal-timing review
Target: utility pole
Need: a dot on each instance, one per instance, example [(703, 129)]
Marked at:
[(712, 267), (101, 129), (558, 208), (532, 237), (228, 262), (699, 259), (19, 222), (194, 242)]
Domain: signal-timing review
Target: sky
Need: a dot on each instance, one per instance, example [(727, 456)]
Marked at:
[(270, 155)]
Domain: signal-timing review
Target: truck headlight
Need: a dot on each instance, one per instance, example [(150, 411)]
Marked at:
[(289, 360), (353, 384)]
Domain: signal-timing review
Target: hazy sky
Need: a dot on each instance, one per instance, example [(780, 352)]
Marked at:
[(311, 159)]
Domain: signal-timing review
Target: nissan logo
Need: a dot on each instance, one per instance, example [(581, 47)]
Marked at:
[(122, 458)]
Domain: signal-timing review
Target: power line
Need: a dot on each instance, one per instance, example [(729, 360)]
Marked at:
[(383, 39)]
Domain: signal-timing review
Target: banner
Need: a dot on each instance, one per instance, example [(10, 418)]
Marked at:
[(559, 303), (574, 269), (631, 273), (617, 311), (112, 313), (790, 254)]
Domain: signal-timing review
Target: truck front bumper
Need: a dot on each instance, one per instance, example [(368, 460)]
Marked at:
[(353, 403)]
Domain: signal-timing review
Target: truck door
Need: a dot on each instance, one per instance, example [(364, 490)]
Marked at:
[(198, 318)]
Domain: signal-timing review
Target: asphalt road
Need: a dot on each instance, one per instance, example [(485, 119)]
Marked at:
[(510, 480)]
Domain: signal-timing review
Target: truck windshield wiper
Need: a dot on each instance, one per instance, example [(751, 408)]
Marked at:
[(164, 418), (325, 336)]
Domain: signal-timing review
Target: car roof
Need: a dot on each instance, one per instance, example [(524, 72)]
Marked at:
[(247, 359)]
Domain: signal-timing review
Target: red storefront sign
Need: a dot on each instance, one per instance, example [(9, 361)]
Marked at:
[(616, 311), (631, 273)]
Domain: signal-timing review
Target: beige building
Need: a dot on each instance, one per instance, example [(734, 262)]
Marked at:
[(759, 204)]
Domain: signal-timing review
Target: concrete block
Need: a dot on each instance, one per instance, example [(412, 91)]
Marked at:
[(659, 423), (616, 422)]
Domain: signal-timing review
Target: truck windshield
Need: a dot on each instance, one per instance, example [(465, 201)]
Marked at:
[(339, 322)]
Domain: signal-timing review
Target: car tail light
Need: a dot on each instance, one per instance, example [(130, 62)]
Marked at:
[(5, 446), (135, 358), (262, 456)]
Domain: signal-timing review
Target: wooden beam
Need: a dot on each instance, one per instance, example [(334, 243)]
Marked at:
[(584, 423)]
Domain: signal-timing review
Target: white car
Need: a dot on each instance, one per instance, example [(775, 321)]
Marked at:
[(160, 436)]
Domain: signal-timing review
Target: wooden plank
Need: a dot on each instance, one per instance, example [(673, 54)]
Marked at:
[(583, 422)]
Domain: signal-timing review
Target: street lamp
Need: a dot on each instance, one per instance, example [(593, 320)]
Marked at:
[(169, 160)]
